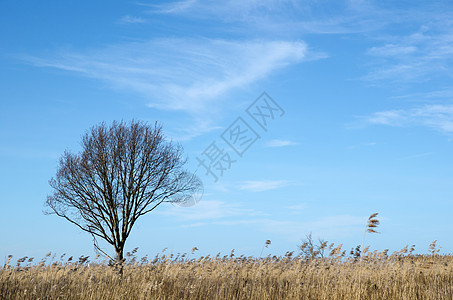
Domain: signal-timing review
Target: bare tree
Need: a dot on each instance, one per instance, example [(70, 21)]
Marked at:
[(310, 250), (122, 173)]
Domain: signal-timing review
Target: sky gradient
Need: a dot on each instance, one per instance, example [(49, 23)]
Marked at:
[(365, 122)]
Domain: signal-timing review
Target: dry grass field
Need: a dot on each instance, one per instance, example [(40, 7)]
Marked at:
[(329, 274)]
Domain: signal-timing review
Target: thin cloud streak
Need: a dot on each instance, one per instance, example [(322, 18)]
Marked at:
[(331, 227), (415, 56), (181, 74), (285, 17), (262, 186), (419, 56), (280, 143), (439, 117), (208, 210), (418, 155), (131, 20)]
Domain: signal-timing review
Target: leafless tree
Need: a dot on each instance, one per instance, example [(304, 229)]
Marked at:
[(310, 250), (123, 172)]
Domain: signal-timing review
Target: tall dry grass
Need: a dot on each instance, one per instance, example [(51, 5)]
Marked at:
[(368, 275)]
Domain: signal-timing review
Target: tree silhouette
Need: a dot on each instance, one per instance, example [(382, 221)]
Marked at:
[(123, 172)]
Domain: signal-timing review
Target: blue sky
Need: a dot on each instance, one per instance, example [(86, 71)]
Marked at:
[(365, 86)]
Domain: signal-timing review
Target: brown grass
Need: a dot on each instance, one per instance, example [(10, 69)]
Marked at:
[(375, 276)]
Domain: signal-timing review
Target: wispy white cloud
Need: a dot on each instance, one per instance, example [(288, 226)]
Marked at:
[(439, 117), (330, 227), (264, 185), (221, 213), (361, 145), (392, 50), (208, 210), (174, 7), (297, 208), (280, 143), (283, 16), (400, 56), (444, 93), (419, 56), (391, 117), (181, 74), (131, 20)]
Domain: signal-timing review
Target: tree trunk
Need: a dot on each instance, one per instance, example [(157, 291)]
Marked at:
[(119, 255), (119, 260)]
